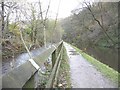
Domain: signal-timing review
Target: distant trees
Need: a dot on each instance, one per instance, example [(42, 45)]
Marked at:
[(92, 24), (100, 23), (29, 20), (29, 16), (7, 9)]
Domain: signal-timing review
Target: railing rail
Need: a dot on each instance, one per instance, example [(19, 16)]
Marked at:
[(55, 67), (19, 76)]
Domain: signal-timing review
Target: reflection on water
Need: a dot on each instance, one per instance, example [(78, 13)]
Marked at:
[(105, 55)]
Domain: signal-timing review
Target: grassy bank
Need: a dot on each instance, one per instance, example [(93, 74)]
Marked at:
[(64, 76), (104, 69)]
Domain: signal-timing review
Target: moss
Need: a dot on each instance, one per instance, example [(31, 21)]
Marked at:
[(65, 70)]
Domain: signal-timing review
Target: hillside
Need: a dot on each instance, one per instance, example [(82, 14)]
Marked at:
[(83, 29), (94, 29)]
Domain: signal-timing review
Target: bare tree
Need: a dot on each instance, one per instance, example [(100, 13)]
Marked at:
[(2, 15), (54, 28), (44, 20), (99, 23)]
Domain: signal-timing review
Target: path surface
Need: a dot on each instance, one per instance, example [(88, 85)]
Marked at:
[(83, 74)]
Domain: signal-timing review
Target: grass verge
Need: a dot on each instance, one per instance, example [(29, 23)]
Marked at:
[(104, 69), (64, 76)]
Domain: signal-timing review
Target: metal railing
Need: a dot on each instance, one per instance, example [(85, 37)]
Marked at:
[(20, 76)]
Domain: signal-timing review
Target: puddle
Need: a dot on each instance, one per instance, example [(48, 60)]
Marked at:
[(74, 53)]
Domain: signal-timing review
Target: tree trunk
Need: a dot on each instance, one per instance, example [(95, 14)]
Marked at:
[(103, 29), (3, 24)]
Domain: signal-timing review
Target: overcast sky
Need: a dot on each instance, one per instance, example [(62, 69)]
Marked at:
[(66, 6)]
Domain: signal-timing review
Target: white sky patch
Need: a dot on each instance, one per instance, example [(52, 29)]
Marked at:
[(66, 6)]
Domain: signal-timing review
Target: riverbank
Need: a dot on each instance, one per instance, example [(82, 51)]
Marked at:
[(12, 50)]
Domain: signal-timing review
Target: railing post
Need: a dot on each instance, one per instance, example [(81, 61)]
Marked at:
[(56, 60), (58, 67), (53, 58), (57, 72)]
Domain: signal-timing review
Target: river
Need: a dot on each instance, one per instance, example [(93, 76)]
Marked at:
[(20, 59)]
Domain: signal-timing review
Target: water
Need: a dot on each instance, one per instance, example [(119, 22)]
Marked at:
[(107, 56), (22, 58)]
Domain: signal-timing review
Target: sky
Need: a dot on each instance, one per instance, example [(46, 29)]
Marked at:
[(66, 6)]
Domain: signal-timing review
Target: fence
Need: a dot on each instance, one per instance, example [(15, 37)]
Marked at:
[(20, 76)]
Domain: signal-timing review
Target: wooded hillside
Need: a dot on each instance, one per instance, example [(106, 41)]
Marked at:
[(93, 24), (27, 21)]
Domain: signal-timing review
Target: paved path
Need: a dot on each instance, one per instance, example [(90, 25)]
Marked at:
[(83, 74)]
